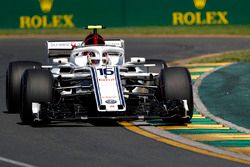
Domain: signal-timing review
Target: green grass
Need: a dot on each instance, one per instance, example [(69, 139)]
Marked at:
[(159, 30), (237, 56)]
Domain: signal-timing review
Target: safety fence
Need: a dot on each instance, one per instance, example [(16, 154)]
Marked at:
[(36, 14)]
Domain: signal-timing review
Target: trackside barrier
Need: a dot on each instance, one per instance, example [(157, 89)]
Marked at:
[(38, 14)]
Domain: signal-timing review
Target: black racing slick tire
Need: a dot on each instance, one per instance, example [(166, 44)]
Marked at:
[(13, 83), (37, 87), (176, 84)]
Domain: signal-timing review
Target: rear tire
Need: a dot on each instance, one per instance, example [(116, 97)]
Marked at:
[(13, 83), (176, 84), (37, 86)]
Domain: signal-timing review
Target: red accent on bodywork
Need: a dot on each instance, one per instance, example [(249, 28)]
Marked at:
[(73, 44)]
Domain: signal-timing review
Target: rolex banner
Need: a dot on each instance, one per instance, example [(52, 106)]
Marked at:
[(39, 14)]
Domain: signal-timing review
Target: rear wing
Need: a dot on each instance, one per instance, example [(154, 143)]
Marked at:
[(61, 48), (64, 48)]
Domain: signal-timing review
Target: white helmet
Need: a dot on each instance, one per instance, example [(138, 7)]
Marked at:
[(96, 59)]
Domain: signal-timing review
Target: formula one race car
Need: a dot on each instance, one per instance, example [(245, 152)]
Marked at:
[(90, 80)]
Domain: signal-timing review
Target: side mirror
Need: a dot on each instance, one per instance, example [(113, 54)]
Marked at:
[(137, 60), (60, 60)]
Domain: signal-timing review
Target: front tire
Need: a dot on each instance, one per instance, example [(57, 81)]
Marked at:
[(37, 87), (13, 83), (176, 84)]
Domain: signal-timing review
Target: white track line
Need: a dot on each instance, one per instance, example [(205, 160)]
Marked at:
[(16, 163)]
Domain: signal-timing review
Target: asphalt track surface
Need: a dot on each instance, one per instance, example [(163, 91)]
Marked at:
[(85, 144)]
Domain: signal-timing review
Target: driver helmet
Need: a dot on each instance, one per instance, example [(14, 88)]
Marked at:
[(93, 58), (96, 59)]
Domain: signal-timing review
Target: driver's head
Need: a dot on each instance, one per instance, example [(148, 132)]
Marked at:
[(93, 59), (105, 59), (96, 59)]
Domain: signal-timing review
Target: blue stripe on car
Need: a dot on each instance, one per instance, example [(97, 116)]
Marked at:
[(118, 80), (96, 86)]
